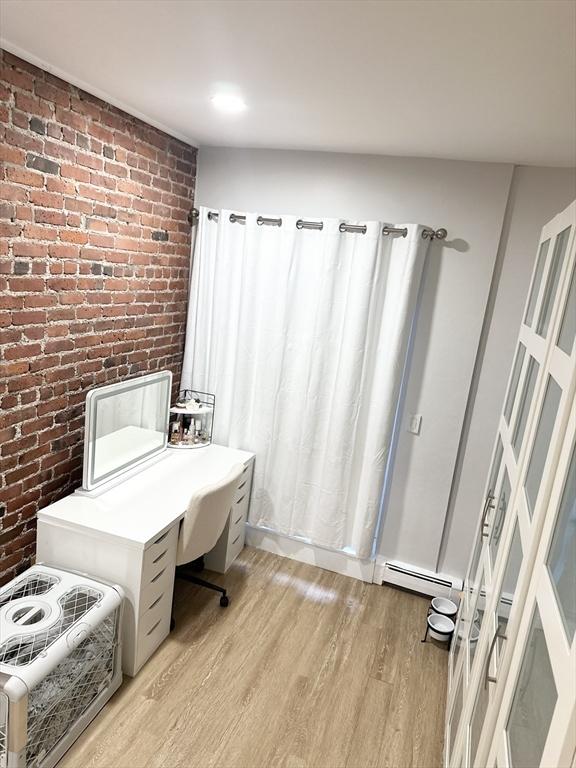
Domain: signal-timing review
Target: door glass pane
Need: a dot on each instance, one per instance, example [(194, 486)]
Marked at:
[(511, 396), (478, 715), (472, 578), (456, 710), (534, 701), (459, 642), (534, 290), (524, 408), (476, 619), (568, 327), (509, 582), (500, 516), (562, 556), (495, 469), (552, 282), (542, 442)]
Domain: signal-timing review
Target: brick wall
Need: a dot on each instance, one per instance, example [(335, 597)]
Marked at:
[(94, 261)]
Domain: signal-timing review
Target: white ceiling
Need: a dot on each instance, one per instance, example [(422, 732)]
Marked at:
[(491, 80)]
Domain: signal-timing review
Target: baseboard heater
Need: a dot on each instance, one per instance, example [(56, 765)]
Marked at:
[(425, 582)]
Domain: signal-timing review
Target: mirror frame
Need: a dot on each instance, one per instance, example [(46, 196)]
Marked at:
[(109, 390)]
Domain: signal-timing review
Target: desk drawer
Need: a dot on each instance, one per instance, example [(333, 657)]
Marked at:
[(161, 584), (243, 487), (154, 628), (239, 509), (235, 544), (160, 556)]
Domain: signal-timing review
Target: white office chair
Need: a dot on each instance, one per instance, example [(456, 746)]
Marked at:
[(202, 525)]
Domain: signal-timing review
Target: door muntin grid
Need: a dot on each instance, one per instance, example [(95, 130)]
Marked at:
[(540, 349)]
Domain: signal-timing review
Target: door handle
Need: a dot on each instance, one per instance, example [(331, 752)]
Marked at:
[(488, 678), (487, 506)]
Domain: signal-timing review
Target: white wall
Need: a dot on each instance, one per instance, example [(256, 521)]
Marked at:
[(536, 195), (469, 199)]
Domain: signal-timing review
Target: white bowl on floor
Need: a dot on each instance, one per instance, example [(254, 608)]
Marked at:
[(440, 627), (444, 606)]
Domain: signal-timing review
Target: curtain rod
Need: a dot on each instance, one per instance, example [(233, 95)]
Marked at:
[(236, 218)]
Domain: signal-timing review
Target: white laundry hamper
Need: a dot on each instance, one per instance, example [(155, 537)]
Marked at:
[(59, 661)]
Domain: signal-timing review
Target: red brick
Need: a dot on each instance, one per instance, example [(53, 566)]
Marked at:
[(47, 216), (17, 77), (73, 172), (11, 192), (28, 318), (31, 284), (12, 155), (51, 93), (24, 176)]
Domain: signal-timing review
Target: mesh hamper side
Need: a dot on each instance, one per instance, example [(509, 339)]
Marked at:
[(57, 702), (3, 730)]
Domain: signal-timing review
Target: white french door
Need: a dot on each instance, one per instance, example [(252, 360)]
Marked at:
[(533, 421)]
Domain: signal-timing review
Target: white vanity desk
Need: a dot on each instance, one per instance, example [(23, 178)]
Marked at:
[(128, 534)]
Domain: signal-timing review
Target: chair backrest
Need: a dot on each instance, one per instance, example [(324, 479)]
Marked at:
[(206, 517)]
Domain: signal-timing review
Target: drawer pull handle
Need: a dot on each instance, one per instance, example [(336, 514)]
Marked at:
[(237, 521), (236, 539), (154, 627), (161, 538), (241, 499), (160, 556), (157, 576), (245, 469), (156, 602), (242, 486)]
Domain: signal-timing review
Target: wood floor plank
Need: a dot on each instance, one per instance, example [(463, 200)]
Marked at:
[(305, 669), (367, 740)]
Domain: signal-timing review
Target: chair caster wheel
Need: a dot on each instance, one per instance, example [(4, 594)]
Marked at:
[(224, 601), (172, 624)]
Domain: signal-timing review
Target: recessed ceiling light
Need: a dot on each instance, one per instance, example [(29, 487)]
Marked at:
[(228, 102)]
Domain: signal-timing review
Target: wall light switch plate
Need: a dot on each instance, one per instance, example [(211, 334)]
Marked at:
[(414, 423)]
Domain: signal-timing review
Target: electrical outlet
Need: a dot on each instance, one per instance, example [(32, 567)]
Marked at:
[(414, 423)]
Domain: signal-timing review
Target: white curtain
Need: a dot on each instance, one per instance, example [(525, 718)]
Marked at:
[(302, 336)]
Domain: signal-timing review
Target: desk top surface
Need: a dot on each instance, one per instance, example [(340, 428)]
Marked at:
[(141, 507)]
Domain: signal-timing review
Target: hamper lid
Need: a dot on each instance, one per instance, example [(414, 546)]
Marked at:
[(43, 606)]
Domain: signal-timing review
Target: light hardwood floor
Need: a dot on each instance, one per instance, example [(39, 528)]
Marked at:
[(305, 668)]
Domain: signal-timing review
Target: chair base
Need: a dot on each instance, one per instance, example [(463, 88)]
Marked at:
[(203, 583), (183, 574)]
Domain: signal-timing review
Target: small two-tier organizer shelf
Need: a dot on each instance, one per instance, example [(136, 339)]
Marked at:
[(191, 420)]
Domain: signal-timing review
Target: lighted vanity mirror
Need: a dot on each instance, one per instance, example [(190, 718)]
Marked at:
[(126, 424)]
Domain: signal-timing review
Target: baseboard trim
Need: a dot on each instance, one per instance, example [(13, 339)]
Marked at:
[(338, 562), (415, 578)]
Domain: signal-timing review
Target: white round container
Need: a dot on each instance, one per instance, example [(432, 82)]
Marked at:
[(444, 606), (440, 627)]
